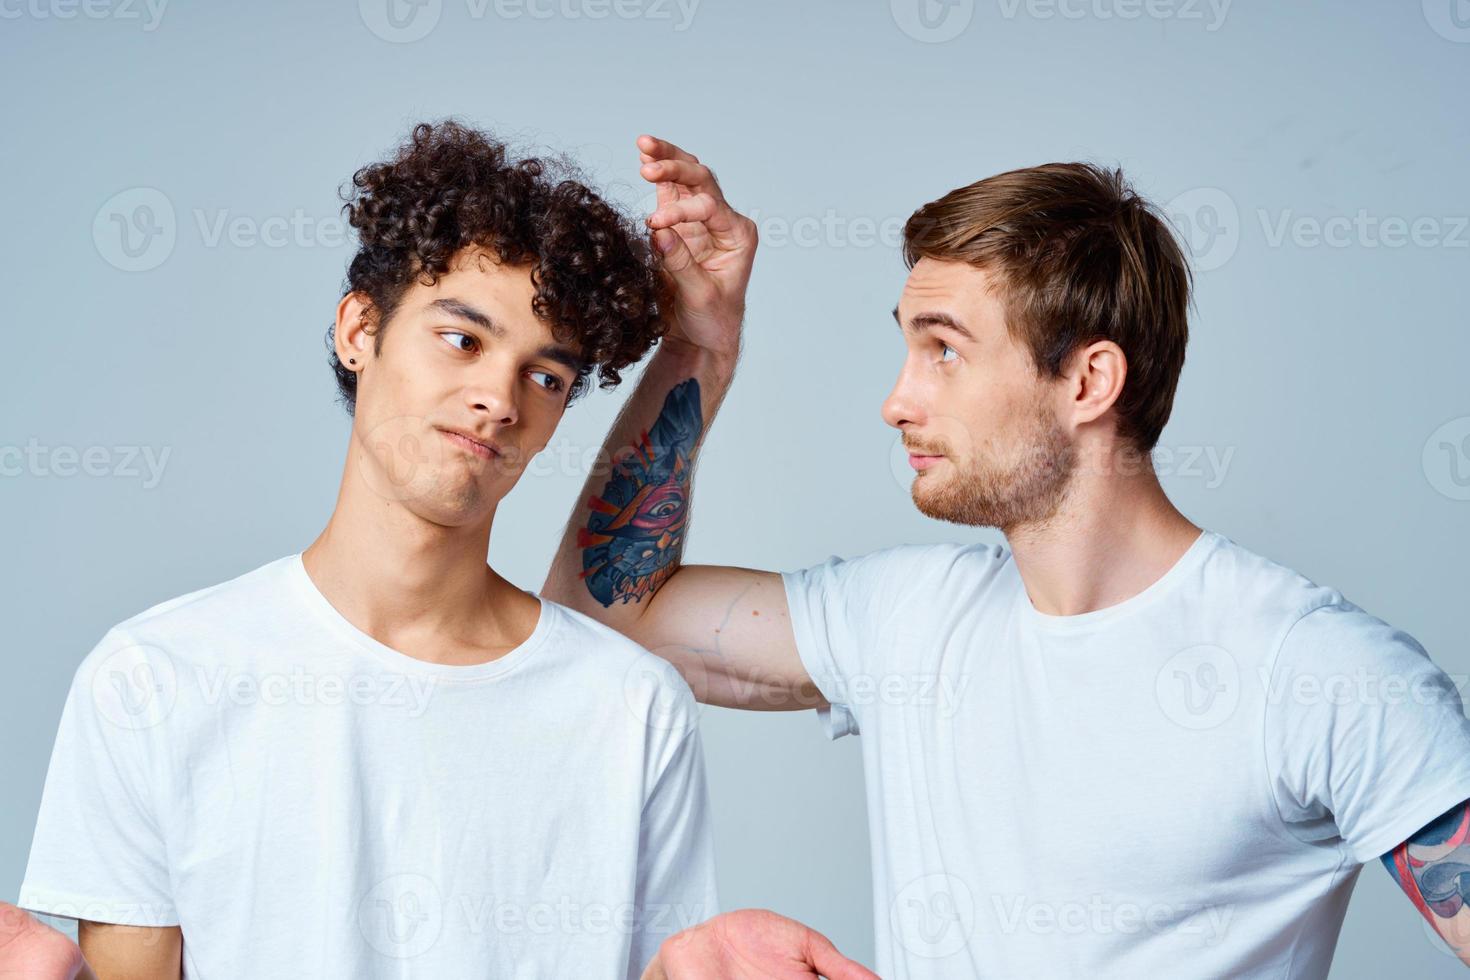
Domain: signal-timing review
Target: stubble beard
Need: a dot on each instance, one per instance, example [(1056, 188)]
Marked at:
[(1027, 489)]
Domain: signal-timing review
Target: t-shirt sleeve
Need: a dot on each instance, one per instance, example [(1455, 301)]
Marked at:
[(837, 611), (676, 863), (1366, 737), (97, 853)]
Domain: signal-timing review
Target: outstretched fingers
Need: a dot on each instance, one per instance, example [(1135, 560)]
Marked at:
[(681, 179)]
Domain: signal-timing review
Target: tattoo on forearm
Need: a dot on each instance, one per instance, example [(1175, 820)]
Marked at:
[(634, 535), (1433, 866)]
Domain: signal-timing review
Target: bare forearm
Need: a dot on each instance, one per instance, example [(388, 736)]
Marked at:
[(627, 531), (118, 952)]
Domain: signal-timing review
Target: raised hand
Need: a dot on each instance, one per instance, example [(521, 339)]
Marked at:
[(752, 944), (31, 950), (706, 246)]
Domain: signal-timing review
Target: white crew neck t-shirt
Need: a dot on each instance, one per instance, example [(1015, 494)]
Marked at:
[(1184, 784), (305, 801)]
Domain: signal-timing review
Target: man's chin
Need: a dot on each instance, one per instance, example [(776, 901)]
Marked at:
[(450, 510), (460, 496), (947, 497), (936, 498)]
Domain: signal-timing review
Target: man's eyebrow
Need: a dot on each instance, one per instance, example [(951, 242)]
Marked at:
[(459, 309), (463, 311), (922, 321), (564, 356)]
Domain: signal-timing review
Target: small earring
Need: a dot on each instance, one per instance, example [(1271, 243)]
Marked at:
[(352, 360)]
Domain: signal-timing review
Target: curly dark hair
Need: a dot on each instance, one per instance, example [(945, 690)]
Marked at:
[(450, 187)]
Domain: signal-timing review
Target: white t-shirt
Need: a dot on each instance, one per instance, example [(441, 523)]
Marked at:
[(1185, 784), (305, 801)]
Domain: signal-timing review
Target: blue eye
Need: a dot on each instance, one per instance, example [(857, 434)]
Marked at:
[(948, 351), (457, 343), (551, 382)]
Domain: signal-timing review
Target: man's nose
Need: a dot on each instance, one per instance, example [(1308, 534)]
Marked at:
[(495, 398), (903, 406)]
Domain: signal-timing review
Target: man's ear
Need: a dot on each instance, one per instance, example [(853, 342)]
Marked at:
[(353, 335), (1096, 374)]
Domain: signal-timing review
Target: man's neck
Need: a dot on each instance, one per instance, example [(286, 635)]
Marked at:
[(421, 588), (1113, 537)]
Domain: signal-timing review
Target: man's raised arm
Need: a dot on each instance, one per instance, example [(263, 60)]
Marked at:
[(620, 561)]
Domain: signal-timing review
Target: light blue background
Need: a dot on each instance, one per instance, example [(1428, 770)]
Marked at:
[(1319, 375)]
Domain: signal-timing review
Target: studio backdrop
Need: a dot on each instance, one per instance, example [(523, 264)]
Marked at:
[(173, 251)]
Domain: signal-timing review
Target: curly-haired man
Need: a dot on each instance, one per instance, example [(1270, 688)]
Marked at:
[(378, 757)]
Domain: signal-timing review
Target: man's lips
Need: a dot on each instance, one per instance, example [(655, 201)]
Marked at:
[(470, 444), (922, 460)]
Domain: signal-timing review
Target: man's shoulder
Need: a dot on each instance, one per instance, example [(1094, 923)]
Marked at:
[(1258, 584), (907, 562), (1338, 635), (599, 659), (973, 556), (1314, 622), (597, 648), (175, 625)]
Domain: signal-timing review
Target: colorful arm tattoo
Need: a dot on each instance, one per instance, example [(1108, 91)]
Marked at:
[(634, 536), (1433, 868)]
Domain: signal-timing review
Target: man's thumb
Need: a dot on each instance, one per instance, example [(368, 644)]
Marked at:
[(678, 261), (832, 964)]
